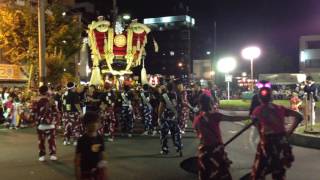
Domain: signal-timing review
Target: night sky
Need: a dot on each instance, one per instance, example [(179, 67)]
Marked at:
[(274, 25)]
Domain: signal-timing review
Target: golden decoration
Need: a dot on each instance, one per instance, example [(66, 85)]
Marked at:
[(120, 40)]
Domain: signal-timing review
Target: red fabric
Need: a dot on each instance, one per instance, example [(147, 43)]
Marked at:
[(9, 105), (50, 135), (274, 155), (208, 131), (135, 38), (270, 118), (46, 113), (127, 82), (213, 163), (294, 101), (184, 115), (119, 51), (100, 40)]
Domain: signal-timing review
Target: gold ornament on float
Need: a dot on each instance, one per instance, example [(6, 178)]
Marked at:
[(121, 52), (120, 40)]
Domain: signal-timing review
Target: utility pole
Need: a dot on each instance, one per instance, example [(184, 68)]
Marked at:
[(42, 42), (190, 62), (214, 48), (115, 12)]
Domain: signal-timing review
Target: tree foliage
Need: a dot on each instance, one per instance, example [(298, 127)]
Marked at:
[(18, 34), (19, 37)]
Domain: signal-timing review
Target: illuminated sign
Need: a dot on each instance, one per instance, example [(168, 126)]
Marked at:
[(10, 72), (169, 19)]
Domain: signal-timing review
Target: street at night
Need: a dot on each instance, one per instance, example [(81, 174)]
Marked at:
[(139, 157), (159, 90)]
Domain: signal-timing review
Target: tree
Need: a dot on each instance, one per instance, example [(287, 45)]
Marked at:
[(18, 34), (19, 38)]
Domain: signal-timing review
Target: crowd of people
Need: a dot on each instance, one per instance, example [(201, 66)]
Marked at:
[(86, 114)]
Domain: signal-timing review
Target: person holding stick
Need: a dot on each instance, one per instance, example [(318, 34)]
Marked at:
[(274, 153), (213, 162)]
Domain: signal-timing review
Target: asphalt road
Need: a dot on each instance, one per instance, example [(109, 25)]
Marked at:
[(136, 158)]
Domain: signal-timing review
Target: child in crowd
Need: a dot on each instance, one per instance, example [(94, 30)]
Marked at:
[(16, 113), (295, 102), (89, 161), (9, 111)]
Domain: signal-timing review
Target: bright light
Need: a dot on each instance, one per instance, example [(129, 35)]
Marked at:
[(121, 78), (64, 14), (126, 17), (193, 21), (171, 53), (212, 73), (301, 77), (251, 53), (180, 64), (208, 52), (170, 19), (149, 21), (85, 40), (188, 19), (64, 42), (303, 56), (88, 70), (227, 64), (167, 19), (64, 69), (244, 74)]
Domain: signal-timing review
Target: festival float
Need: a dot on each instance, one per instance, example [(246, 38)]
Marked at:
[(119, 48)]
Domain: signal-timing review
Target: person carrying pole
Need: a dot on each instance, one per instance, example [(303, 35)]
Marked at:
[(274, 153), (213, 162)]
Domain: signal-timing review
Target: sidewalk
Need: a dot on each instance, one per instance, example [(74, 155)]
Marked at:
[(299, 139)]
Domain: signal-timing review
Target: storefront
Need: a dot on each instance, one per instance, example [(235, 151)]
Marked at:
[(12, 76)]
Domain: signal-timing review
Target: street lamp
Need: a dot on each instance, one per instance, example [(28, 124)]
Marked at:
[(126, 17), (251, 53), (226, 65)]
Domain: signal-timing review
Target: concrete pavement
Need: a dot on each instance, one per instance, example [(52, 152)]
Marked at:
[(136, 158)]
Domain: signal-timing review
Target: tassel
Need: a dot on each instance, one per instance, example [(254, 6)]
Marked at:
[(144, 79), (96, 78), (156, 46)]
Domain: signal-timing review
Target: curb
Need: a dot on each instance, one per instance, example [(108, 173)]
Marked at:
[(305, 141), (299, 139)]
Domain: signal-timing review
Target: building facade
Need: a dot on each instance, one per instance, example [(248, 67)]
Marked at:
[(202, 69), (173, 36), (309, 54)]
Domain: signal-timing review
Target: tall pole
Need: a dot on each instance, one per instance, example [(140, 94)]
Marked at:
[(42, 42), (189, 67), (251, 61), (228, 89), (115, 12), (214, 47)]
